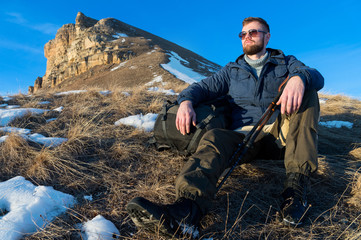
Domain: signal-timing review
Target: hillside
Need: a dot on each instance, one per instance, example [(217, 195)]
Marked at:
[(103, 166), (108, 53)]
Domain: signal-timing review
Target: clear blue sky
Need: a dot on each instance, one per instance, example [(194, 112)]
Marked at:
[(323, 34)]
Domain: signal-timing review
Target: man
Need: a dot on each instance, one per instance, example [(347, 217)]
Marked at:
[(251, 83)]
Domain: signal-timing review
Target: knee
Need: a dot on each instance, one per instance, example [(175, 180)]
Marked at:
[(310, 99), (213, 134)]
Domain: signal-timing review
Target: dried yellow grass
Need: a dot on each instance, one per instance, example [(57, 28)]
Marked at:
[(356, 153), (113, 164)]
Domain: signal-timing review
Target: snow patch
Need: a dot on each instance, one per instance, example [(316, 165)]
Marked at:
[(3, 138), (70, 92), (145, 122), (15, 130), (176, 67), (6, 98), (105, 93), (44, 102), (156, 79), (59, 109), (7, 115), (119, 66), (50, 120), (29, 207), (153, 51), (99, 228), (89, 198), (337, 124), (12, 106), (323, 100), (162, 90), (119, 35), (46, 141)]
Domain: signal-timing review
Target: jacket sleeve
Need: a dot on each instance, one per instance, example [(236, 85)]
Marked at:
[(209, 88), (310, 76)]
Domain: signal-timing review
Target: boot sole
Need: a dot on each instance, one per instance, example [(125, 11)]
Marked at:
[(145, 219)]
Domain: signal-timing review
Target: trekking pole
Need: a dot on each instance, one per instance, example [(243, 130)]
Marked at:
[(252, 135)]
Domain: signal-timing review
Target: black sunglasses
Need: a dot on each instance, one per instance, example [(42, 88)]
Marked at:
[(252, 33)]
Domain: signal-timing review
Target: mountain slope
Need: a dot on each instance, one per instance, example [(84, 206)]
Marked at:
[(86, 54)]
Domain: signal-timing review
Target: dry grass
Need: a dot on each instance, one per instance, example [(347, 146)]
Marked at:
[(114, 164)]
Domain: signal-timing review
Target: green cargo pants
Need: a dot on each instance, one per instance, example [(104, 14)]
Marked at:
[(298, 132)]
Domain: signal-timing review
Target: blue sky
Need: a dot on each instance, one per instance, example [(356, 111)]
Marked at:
[(323, 34)]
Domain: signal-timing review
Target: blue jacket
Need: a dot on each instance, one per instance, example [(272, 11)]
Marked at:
[(248, 96)]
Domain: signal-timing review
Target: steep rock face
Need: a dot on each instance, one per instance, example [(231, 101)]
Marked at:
[(78, 48)]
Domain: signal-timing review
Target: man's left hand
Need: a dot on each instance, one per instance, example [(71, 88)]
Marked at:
[(291, 98)]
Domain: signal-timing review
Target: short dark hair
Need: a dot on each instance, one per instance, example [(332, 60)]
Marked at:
[(256, 19)]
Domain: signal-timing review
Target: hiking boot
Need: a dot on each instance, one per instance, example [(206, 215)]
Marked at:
[(178, 219), (294, 206)]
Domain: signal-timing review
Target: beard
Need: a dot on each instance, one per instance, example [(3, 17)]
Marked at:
[(253, 49)]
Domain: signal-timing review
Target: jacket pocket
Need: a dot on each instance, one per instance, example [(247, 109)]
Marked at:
[(272, 84), (242, 86)]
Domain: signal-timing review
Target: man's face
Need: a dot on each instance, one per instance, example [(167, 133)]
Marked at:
[(255, 44)]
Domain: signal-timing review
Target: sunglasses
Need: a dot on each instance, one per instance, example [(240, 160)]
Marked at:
[(252, 33)]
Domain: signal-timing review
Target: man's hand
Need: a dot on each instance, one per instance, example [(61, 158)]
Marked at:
[(185, 116), (292, 95)]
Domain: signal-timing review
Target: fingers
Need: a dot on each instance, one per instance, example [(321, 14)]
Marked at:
[(291, 98), (185, 117), (183, 123), (290, 103)]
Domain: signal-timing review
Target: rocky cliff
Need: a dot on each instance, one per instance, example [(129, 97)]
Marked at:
[(83, 49)]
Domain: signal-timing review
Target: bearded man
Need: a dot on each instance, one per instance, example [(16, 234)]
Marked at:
[(251, 83)]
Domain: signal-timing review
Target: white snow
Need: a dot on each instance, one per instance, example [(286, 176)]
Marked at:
[(3, 138), (59, 109), (89, 198), (12, 106), (323, 100), (182, 72), (105, 92), (162, 90), (119, 66), (35, 137), (29, 207), (44, 102), (21, 131), (145, 122), (99, 228), (156, 79), (4, 105), (70, 92), (336, 124), (50, 120), (46, 141), (6, 98), (7, 115), (119, 35)]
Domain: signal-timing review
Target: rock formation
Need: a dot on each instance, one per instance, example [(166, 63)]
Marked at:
[(78, 48)]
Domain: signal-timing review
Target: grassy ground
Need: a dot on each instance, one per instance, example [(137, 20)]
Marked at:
[(114, 164)]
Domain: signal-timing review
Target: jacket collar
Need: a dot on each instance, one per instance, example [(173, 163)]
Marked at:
[(276, 57)]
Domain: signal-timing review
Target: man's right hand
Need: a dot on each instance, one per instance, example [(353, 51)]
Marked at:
[(185, 117)]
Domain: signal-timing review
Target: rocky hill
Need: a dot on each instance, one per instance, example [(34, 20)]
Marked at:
[(88, 52)]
